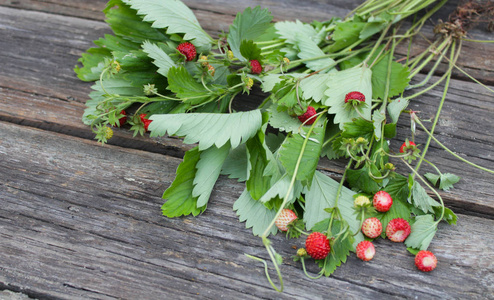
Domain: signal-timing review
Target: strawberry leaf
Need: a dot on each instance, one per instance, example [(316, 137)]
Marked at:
[(398, 81), (179, 198), (248, 25), (289, 31), (422, 232), (208, 129), (292, 147), (186, 87), (309, 51), (280, 188), (176, 17), (321, 195), (208, 170), (360, 179), (377, 120), (446, 180), (340, 249), (315, 86), (254, 214), (161, 58), (235, 165), (396, 107), (343, 82), (249, 50), (420, 199), (345, 34)]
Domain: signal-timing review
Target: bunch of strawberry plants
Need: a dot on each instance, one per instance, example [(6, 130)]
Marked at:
[(334, 89)]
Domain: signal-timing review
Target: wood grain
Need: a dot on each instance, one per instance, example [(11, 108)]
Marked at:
[(73, 207)]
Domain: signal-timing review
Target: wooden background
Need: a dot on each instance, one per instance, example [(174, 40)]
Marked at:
[(81, 220)]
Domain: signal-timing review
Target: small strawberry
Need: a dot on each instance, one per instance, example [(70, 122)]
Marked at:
[(286, 217), (187, 49), (372, 227), (108, 133), (145, 121), (255, 67), (211, 70), (382, 201), (358, 96), (407, 145), (425, 261), (365, 250), (309, 113), (317, 245), (398, 230), (123, 119), (361, 201)]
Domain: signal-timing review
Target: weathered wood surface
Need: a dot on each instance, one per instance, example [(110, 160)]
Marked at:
[(80, 220)]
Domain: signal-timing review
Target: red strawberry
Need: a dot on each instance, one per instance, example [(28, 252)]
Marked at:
[(398, 230), (123, 119), (187, 49), (425, 261), (355, 96), (255, 67), (286, 217), (372, 227), (365, 250), (317, 245), (145, 121), (382, 201), (405, 147), (311, 111)]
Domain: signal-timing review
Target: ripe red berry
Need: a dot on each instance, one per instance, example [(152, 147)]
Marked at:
[(425, 261), (286, 217), (145, 121), (187, 49), (365, 250), (311, 111), (382, 201), (372, 227), (398, 230), (404, 146), (355, 96), (317, 245), (123, 119), (255, 67)]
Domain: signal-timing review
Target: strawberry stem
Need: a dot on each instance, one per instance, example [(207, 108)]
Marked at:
[(305, 270)]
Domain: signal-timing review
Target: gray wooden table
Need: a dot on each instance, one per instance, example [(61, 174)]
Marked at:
[(81, 220)]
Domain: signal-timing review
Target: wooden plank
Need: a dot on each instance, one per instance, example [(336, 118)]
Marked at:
[(216, 16), (55, 102), (81, 220)]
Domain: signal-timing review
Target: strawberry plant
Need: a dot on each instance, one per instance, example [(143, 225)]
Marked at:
[(334, 90)]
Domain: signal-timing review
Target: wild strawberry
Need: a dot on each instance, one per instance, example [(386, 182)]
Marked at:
[(211, 70), (229, 55), (187, 49), (108, 133), (123, 119), (204, 60), (398, 230), (404, 148), (372, 227), (286, 217), (361, 201), (145, 121), (311, 111), (382, 201), (355, 96), (425, 261), (365, 250), (317, 245), (255, 67), (250, 83)]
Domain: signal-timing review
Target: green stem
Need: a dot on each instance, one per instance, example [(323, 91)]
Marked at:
[(340, 186), (305, 270)]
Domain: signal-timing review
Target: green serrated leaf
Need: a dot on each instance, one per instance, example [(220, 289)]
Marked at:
[(208, 170), (360, 179), (340, 250), (395, 108), (280, 188), (176, 17), (248, 25), (377, 120), (288, 31), (235, 165), (345, 34), (249, 50), (398, 81), (254, 214), (186, 87), (422, 232), (290, 151), (343, 82), (208, 129), (161, 58), (314, 58), (420, 199), (282, 120), (179, 199), (258, 183), (446, 180), (315, 86)]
